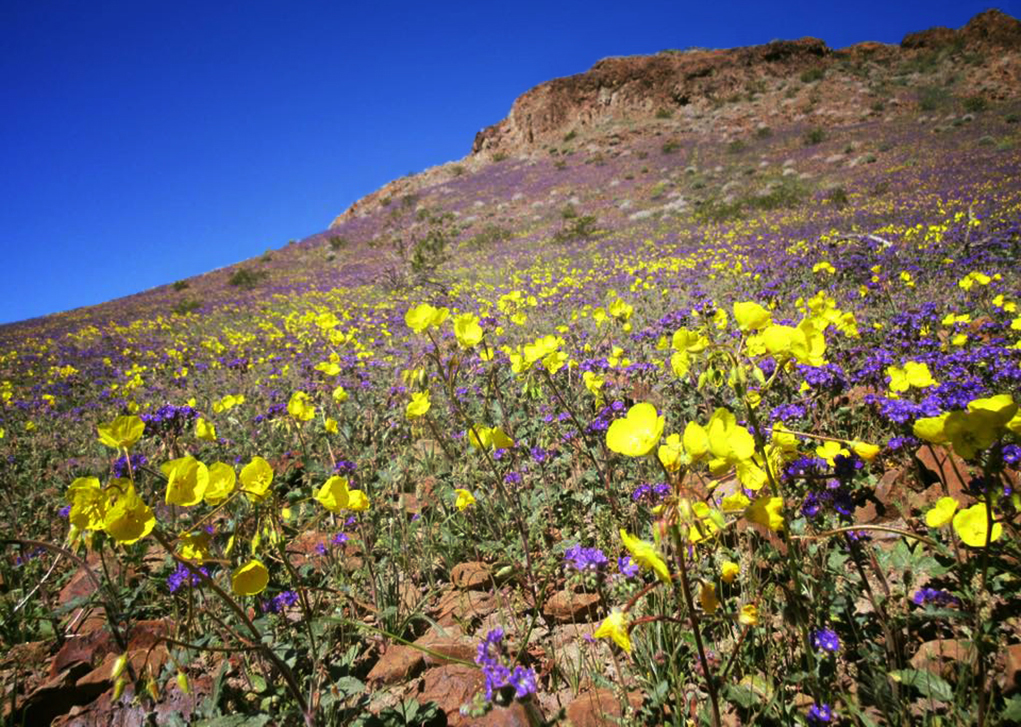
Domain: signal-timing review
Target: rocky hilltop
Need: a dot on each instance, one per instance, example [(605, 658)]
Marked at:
[(724, 94)]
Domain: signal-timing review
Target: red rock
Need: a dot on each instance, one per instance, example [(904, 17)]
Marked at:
[(461, 606), (450, 686), (1012, 670), (472, 576), (396, 665), (570, 607), (943, 657), (600, 708)]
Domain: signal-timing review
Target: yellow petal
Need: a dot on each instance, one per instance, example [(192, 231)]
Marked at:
[(250, 579)]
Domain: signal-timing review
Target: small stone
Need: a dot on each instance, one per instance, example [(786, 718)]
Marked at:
[(570, 607)]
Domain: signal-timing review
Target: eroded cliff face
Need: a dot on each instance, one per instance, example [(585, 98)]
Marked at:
[(724, 94), (695, 83)]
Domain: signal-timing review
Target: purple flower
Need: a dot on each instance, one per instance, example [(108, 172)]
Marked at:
[(819, 714), (826, 640), (184, 577), (65, 511), (627, 568), (512, 478), (489, 656), (935, 596), (585, 559)]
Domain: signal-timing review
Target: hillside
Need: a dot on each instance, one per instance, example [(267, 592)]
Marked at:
[(689, 396)]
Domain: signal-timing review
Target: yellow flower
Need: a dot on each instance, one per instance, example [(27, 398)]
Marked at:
[(645, 555), (751, 316), (972, 527), (330, 425), (671, 454), (865, 450), (481, 437), (766, 511), (615, 626), (195, 546), (594, 383), (941, 513), (824, 267), (931, 429), (971, 432), (696, 440), (418, 405), (729, 571), (734, 502), (749, 615), (829, 451), (728, 440), (637, 433), (690, 341), (467, 330), (221, 483), (464, 499), (680, 363), (335, 496), (256, 477), (127, 519), (187, 479), (330, 368), (88, 503), (707, 597), (912, 374), (300, 407), (424, 316), (250, 579), (122, 432), (340, 395), (205, 430)]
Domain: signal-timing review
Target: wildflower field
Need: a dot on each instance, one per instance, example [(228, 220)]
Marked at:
[(588, 439)]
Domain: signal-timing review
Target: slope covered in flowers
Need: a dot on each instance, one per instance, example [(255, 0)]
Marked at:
[(722, 432)]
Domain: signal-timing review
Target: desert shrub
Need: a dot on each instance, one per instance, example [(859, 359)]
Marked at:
[(500, 156), (837, 196), (186, 306), (337, 242), (575, 229), (736, 146), (247, 279), (457, 170), (788, 192), (489, 235), (560, 165), (181, 285), (975, 104), (814, 136), (763, 132), (670, 147), (811, 75), (931, 98), (570, 135), (568, 212), (662, 113)]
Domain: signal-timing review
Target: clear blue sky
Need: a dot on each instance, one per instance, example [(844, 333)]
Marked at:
[(147, 141)]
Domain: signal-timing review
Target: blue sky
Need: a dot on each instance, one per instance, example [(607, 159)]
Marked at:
[(145, 142)]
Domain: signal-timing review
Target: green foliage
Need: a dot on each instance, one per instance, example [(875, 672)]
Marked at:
[(670, 147), (814, 136), (663, 113), (180, 285), (975, 104), (931, 98), (811, 75), (247, 279), (488, 236), (337, 243)]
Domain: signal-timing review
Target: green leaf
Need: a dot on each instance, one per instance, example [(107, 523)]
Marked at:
[(1012, 711), (928, 684)]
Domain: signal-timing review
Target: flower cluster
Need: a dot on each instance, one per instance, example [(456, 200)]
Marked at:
[(490, 656)]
